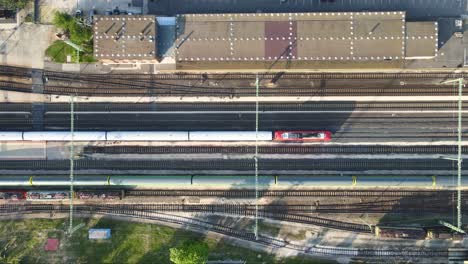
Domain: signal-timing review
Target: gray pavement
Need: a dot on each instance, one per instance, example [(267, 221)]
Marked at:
[(25, 45), (416, 9)]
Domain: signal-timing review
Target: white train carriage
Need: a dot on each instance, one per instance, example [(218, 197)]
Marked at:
[(147, 136), (11, 136), (230, 136), (64, 136)]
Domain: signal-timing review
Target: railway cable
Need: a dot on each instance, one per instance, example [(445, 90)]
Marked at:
[(276, 149)]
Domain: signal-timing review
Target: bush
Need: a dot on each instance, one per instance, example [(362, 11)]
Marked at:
[(13, 4), (190, 252), (28, 18), (63, 20), (79, 34)]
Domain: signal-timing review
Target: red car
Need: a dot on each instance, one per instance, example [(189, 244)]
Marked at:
[(300, 136)]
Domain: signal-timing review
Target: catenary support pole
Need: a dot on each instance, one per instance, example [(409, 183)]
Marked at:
[(459, 158), (256, 156), (72, 150)]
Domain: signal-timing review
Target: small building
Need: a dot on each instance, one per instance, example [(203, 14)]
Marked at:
[(99, 233), (52, 244), (120, 39), (303, 37)]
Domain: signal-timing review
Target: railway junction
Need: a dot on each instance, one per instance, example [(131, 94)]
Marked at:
[(243, 130), (389, 157)]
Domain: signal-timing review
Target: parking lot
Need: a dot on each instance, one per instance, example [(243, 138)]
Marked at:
[(48, 7), (416, 9)]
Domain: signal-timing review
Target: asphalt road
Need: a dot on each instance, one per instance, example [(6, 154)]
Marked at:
[(416, 9), (349, 121)]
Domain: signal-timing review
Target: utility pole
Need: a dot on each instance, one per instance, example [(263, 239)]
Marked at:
[(459, 156), (72, 150), (256, 156), (459, 161)]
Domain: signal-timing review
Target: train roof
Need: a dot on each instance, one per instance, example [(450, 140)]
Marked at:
[(147, 136), (11, 136), (230, 135)]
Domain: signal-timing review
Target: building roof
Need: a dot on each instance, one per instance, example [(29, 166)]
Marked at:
[(52, 244), (292, 36), (125, 37), (421, 39)]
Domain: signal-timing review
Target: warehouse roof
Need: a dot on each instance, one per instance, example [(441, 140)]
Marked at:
[(421, 39), (125, 37), (291, 36)]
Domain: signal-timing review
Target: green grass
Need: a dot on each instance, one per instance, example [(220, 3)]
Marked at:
[(59, 50), (130, 243)]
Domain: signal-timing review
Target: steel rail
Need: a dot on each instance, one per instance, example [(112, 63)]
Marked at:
[(234, 107), (282, 75), (237, 164), (417, 194), (276, 149), (315, 250)]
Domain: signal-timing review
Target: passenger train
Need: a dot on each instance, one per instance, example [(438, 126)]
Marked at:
[(167, 136)]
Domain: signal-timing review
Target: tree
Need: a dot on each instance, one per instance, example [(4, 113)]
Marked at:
[(79, 34), (190, 252), (13, 4), (63, 20)]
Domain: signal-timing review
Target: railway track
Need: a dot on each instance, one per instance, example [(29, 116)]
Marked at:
[(276, 149), (237, 210), (266, 165), (174, 90), (274, 242), (291, 213), (156, 85), (292, 193), (236, 107), (249, 76)]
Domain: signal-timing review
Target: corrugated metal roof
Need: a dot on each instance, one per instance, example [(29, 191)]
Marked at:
[(291, 36), (125, 37), (421, 39)]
